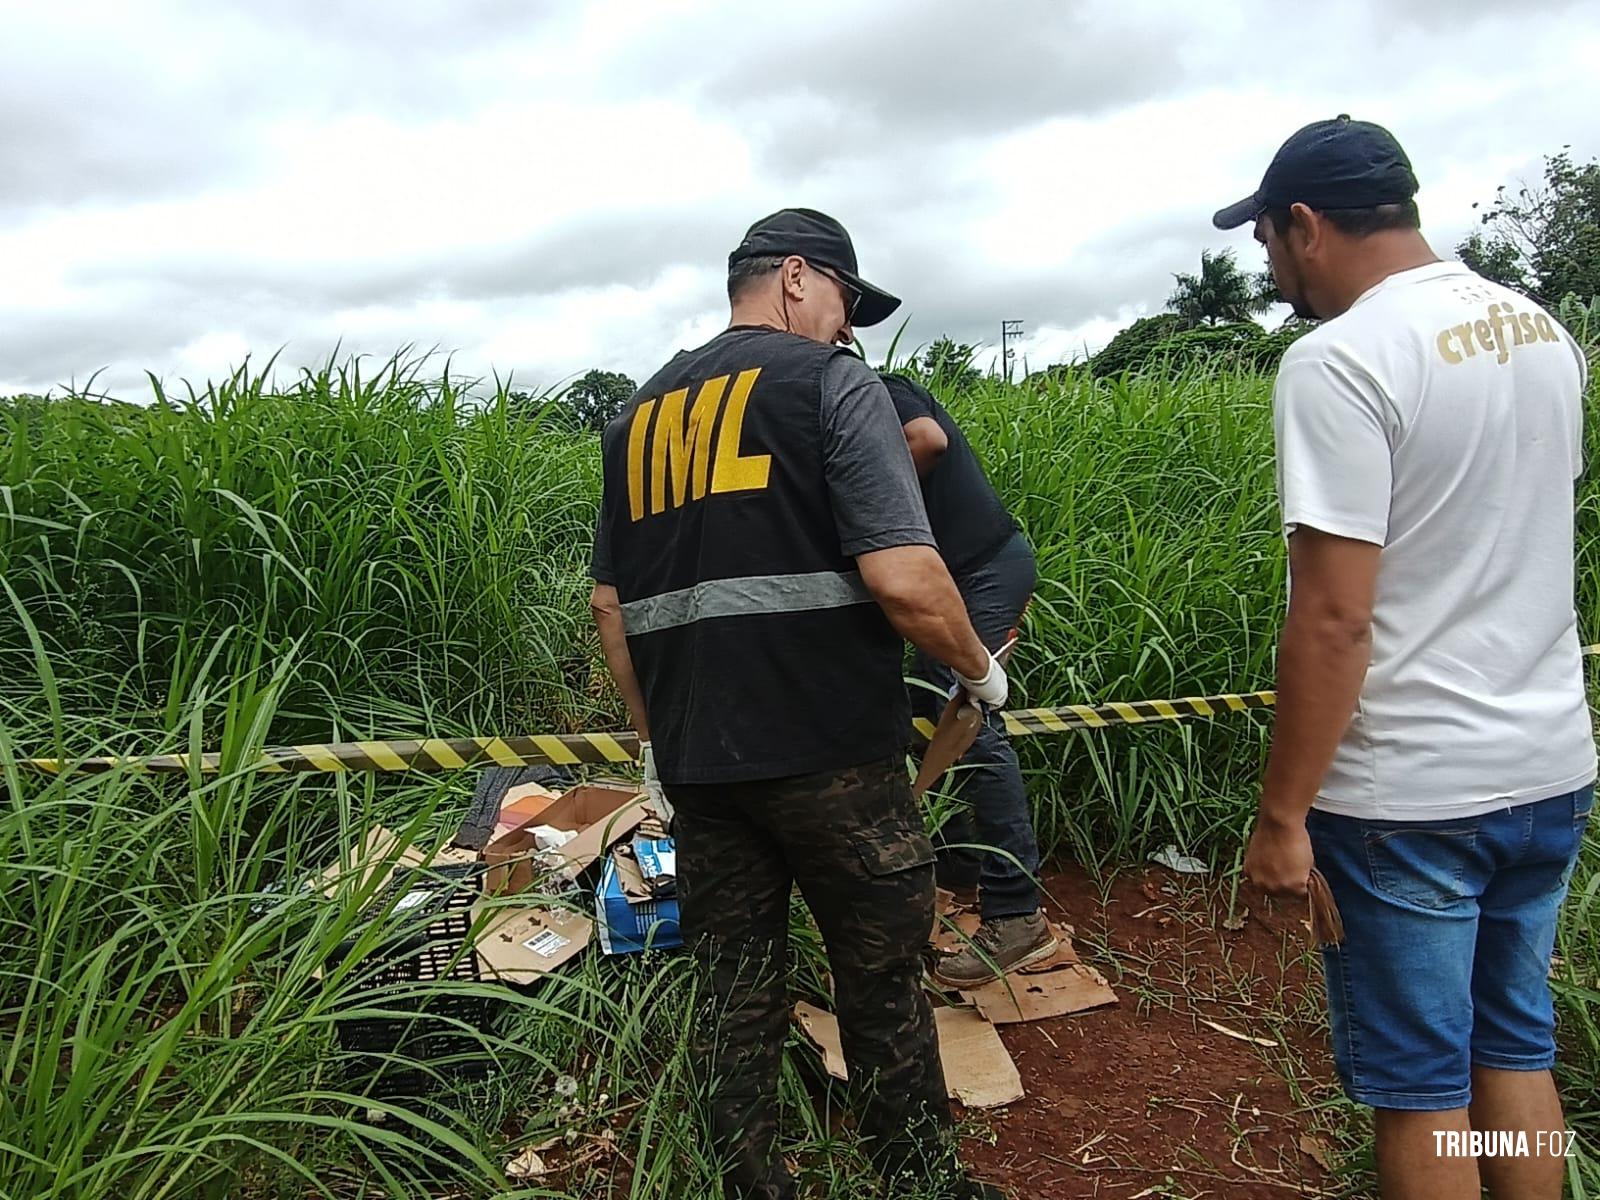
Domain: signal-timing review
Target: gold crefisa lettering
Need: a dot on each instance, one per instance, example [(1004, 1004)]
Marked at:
[(1497, 333), (671, 460)]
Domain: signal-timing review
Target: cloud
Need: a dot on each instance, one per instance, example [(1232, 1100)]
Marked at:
[(541, 189)]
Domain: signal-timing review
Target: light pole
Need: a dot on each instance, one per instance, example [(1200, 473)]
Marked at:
[(1008, 331)]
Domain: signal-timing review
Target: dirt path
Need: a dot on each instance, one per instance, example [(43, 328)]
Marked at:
[(1144, 1099)]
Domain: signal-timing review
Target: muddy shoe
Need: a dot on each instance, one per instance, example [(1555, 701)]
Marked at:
[(1001, 945)]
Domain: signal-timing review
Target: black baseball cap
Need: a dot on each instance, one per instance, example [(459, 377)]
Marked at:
[(1329, 164), (821, 241)]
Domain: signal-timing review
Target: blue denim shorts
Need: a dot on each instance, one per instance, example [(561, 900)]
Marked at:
[(1449, 927)]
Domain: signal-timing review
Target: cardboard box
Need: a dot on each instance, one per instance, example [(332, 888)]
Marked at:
[(520, 806), (628, 925), (600, 813), (514, 941), (520, 945)]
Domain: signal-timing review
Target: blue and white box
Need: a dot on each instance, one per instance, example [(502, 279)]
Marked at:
[(628, 924)]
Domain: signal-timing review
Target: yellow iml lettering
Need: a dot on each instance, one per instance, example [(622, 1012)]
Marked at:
[(1464, 336), (1547, 331), (1530, 332), (684, 452), (1445, 351), (637, 430), (735, 472)]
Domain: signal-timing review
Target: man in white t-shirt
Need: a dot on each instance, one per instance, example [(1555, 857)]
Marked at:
[(1433, 754)]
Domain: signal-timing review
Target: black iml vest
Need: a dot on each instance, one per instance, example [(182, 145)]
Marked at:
[(759, 650)]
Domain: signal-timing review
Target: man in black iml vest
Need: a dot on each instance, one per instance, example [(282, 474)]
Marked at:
[(993, 567), (762, 548)]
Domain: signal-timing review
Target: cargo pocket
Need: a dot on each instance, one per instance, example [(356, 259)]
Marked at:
[(890, 851), (1421, 866)]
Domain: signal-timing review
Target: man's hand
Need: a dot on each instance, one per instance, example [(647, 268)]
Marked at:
[(1279, 856), (990, 691), (652, 784)]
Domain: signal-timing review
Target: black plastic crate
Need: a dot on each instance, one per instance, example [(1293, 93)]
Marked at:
[(429, 911)]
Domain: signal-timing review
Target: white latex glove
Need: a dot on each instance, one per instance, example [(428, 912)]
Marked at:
[(990, 691), (652, 784)]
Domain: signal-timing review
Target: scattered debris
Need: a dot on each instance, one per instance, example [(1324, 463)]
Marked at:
[(1319, 1151), (1173, 859), (527, 1165), (1235, 1034), (978, 1070), (1057, 987)]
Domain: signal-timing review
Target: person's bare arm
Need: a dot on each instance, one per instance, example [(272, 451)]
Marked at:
[(927, 443), (607, 610), (1322, 661), (913, 587)]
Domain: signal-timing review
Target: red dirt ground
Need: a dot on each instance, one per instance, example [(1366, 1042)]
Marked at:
[(1143, 1099)]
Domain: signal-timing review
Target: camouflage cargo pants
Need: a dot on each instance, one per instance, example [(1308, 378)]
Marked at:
[(854, 842)]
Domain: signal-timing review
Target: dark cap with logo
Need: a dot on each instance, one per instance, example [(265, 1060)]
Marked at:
[(1329, 164), (821, 241)]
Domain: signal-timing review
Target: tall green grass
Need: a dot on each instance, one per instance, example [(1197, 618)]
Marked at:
[(374, 553), (421, 553)]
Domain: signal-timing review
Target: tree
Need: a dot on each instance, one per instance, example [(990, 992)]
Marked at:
[(598, 396), (1544, 238), (1167, 343), (1497, 259), (948, 363), (1266, 290), (1220, 293), (1134, 346)]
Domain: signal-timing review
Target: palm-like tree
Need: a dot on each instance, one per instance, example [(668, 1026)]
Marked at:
[(1221, 292)]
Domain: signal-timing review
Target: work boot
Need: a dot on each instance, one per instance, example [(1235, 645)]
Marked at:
[(1001, 945)]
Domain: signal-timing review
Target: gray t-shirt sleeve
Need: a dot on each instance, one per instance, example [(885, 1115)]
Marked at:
[(600, 569), (872, 482)]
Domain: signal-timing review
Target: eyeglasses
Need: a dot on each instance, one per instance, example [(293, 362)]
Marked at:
[(852, 295)]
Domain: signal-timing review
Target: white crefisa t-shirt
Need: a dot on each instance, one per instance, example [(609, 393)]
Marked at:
[(1441, 418)]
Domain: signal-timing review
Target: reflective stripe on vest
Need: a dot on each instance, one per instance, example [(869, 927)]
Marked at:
[(745, 596)]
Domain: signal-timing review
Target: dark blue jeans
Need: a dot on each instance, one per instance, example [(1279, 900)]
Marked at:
[(988, 782)]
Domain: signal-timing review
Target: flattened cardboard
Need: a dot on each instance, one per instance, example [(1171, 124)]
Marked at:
[(1061, 985), (977, 1069), (358, 863), (1065, 988), (822, 1029), (601, 814), (369, 861), (519, 945)]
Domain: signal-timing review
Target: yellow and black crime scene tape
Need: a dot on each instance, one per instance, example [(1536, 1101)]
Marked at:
[(570, 749)]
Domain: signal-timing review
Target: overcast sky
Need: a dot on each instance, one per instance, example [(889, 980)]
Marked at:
[(538, 188)]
